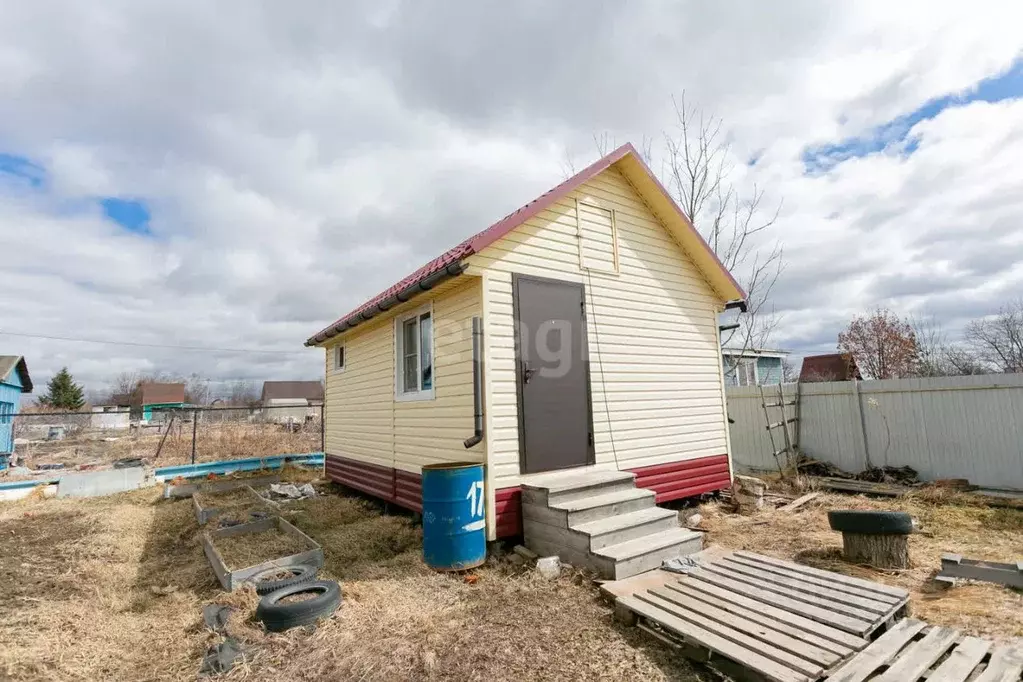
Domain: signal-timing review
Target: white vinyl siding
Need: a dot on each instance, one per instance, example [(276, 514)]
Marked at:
[(655, 357), (364, 420), (597, 247)]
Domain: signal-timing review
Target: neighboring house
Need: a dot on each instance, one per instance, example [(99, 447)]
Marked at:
[(291, 400), (830, 367), (598, 307), (156, 396), (14, 380), (753, 367)]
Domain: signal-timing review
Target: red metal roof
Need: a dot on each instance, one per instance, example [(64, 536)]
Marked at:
[(830, 367), (481, 240)]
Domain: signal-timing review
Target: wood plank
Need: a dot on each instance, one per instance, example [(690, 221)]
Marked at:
[(889, 600), (755, 628), (836, 620), (765, 649), (800, 501), (828, 575), (793, 593), (801, 585), (1006, 665), (840, 651), (840, 638), (881, 652), (961, 662), (917, 658), (693, 634)]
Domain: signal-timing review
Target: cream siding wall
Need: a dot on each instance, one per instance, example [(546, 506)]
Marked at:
[(655, 363), (366, 423)]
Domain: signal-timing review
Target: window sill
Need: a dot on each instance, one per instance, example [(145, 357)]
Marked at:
[(414, 397)]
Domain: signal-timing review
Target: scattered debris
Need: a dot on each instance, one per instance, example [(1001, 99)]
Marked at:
[(549, 567), (50, 467), (221, 657), (955, 566), (128, 462), (526, 553), (682, 564), (693, 520), (800, 501), (863, 487), (748, 493), (905, 475), (516, 559), (290, 491), (215, 617), (164, 590)]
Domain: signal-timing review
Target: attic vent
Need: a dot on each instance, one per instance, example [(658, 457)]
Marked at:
[(598, 238)]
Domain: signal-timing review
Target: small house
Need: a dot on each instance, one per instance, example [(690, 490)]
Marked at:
[(291, 400), (579, 332), (753, 366), (829, 367), (156, 396), (14, 380)]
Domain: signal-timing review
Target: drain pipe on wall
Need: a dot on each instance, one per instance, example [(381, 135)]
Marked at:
[(477, 384)]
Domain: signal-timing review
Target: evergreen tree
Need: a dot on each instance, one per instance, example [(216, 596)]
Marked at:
[(63, 393)]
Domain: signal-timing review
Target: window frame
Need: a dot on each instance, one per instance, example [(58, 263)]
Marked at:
[(400, 395), (339, 348)]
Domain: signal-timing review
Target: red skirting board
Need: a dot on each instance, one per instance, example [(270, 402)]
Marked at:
[(672, 481), (677, 480)]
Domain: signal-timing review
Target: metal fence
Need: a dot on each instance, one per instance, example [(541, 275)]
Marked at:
[(949, 427), (167, 436)]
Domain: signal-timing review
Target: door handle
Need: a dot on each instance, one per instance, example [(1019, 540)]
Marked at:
[(527, 372)]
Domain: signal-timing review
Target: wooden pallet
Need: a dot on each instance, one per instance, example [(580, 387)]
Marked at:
[(912, 650), (774, 619)]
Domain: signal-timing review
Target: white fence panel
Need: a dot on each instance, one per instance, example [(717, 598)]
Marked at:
[(948, 427)]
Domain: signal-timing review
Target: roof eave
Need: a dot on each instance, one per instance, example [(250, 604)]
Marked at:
[(425, 284)]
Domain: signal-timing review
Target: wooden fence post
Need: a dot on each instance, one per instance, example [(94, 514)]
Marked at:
[(863, 422)]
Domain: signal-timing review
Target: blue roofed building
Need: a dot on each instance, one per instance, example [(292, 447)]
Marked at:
[(14, 380), (753, 367)]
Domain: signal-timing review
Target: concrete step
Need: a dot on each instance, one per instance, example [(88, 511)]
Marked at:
[(592, 508), (565, 486), (646, 553), (615, 530)]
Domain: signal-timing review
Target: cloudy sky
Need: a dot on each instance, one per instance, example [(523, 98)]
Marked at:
[(233, 175)]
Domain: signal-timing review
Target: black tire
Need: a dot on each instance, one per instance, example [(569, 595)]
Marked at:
[(279, 617), (302, 573), (871, 522)]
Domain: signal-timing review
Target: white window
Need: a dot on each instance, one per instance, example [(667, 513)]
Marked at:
[(339, 358), (413, 335), (746, 373)]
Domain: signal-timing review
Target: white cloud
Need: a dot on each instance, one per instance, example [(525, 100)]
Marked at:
[(298, 158)]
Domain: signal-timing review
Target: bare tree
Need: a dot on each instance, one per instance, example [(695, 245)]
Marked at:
[(789, 371), (937, 357), (242, 392), (884, 345), (699, 165), (997, 341)]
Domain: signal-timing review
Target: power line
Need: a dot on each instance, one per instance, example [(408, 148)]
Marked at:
[(155, 345)]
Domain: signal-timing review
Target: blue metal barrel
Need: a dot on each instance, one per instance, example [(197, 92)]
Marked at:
[(454, 516)]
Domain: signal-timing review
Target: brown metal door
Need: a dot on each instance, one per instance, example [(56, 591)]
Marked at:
[(555, 416)]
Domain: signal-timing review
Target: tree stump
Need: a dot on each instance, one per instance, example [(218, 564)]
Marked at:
[(748, 494), (880, 551)]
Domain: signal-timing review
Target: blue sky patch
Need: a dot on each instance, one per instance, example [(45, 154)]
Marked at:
[(130, 214), (22, 169), (823, 158)]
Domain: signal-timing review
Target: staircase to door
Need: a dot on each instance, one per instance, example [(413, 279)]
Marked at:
[(602, 521)]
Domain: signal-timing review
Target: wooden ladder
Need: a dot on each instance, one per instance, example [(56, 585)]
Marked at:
[(789, 438)]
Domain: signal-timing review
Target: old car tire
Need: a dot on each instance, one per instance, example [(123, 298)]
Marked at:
[(301, 573), (871, 522), (279, 617)]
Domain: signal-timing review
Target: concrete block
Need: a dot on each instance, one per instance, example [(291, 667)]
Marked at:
[(549, 567), (97, 483)]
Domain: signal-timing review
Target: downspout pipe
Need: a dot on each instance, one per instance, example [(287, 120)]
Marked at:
[(477, 384)]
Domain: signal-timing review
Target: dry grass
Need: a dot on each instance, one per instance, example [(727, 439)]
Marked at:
[(214, 442), (80, 578), (968, 528), (249, 549)]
